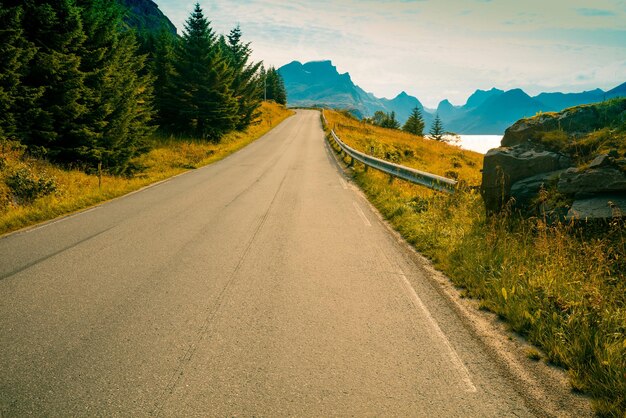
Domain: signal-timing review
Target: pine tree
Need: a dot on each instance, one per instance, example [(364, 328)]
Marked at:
[(15, 55), (207, 107), (49, 127), (119, 101), (164, 74), (385, 120), (436, 130), (246, 84), (390, 121), (415, 123), (275, 87)]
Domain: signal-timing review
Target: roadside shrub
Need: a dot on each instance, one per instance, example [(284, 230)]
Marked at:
[(5, 198), (25, 187)]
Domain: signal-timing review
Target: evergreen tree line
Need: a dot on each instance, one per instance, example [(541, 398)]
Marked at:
[(78, 88), (414, 124)]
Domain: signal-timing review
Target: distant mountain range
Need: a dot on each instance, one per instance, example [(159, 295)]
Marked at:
[(318, 83)]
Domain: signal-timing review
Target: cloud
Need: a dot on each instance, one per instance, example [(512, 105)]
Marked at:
[(434, 49), (595, 12)]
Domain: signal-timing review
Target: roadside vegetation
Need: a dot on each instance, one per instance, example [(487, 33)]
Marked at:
[(562, 286), (33, 190)]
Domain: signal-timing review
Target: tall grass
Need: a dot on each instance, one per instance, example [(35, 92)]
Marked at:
[(76, 190), (561, 286)]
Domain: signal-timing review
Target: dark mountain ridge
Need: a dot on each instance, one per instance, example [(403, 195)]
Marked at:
[(145, 15)]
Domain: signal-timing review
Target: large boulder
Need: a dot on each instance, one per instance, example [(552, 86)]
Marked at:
[(555, 152), (503, 167), (525, 191), (605, 206), (577, 181)]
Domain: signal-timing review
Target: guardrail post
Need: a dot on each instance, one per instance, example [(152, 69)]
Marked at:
[(391, 179), (351, 162)]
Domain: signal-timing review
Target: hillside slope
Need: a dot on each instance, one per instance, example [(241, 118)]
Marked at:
[(145, 15)]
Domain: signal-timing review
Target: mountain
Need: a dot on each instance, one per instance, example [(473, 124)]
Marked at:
[(619, 91), (558, 101), (492, 111), (446, 109), (318, 83), (403, 104), (480, 96), (145, 15), (486, 111), (496, 113)]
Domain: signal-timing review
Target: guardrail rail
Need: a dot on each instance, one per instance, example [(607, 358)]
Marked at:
[(412, 175)]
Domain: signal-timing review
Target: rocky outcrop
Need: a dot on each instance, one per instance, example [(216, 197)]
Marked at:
[(535, 155), (518, 172), (525, 191), (604, 206), (604, 178), (581, 120)]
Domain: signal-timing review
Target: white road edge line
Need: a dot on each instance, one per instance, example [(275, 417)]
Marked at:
[(454, 357), (343, 184), (58, 220), (361, 214)]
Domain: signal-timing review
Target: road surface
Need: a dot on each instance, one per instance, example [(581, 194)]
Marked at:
[(261, 285)]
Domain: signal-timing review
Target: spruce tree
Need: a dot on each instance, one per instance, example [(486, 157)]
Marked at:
[(164, 74), (246, 84), (119, 99), (415, 123), (385, 120), (275, 87), (50, 125), (207, 107), (436, 130), (15, 55), (390, 121)]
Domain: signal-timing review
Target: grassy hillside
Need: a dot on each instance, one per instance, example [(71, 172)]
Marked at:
[(406, 149), (562, 286), (33, 190)]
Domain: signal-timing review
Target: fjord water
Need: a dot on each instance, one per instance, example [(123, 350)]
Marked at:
[(479, 143)]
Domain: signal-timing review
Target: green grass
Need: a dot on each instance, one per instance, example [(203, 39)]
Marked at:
[(74, 190), (561, 286)]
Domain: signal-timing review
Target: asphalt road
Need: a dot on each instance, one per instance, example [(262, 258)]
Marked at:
[(262, 285)]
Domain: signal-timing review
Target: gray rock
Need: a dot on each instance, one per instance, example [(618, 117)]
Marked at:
[(525, 190), (503, 167), (598, 207), (601, 179), (575, 120), (601, 161)]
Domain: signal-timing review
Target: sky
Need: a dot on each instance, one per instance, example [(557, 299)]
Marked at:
[(434, 49)]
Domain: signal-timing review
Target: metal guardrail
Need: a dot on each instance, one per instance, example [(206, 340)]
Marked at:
[(429, 180)]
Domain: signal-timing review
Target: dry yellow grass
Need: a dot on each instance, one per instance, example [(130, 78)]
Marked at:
[(403, 148), (76, 190)]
